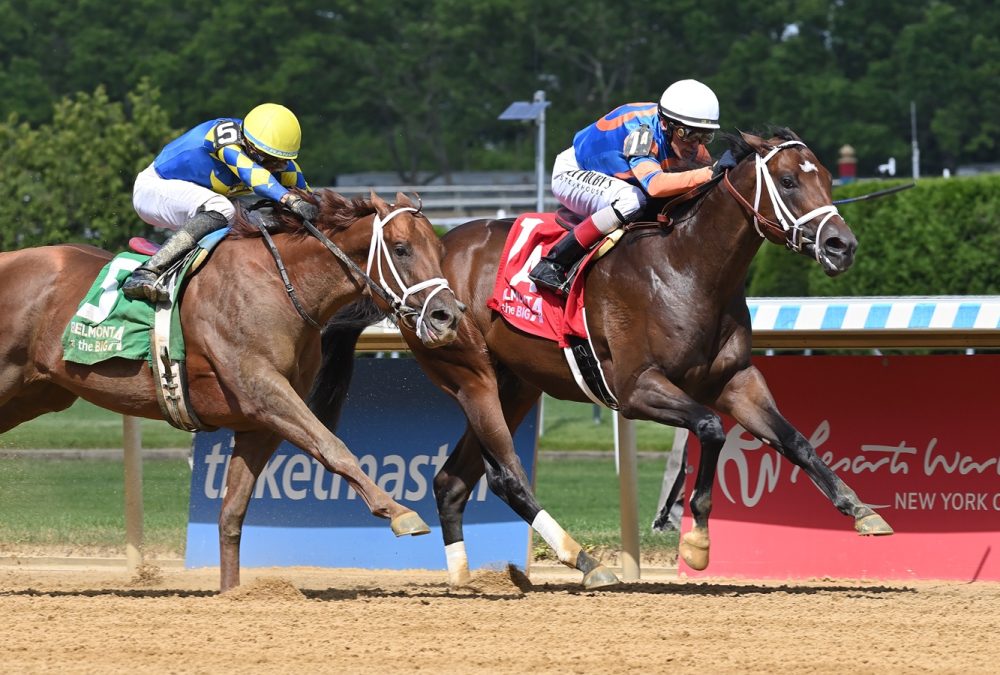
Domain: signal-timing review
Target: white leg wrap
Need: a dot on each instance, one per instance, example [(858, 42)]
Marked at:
[(556, 537), (458, 564)]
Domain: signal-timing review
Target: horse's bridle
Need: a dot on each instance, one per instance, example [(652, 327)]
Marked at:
[(788, 228), (377, 251)]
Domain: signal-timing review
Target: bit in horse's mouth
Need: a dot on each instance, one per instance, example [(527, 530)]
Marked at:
[(427, 334)]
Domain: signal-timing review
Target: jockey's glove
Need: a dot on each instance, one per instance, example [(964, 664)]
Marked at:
[(725, 163), (300, 207)]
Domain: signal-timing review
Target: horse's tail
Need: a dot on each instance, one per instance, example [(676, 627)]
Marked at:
[(340, 336)]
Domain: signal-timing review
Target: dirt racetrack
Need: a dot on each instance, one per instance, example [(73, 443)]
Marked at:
[(305, 620)]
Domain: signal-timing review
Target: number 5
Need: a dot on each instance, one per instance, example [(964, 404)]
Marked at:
[(109, 295), (227, 133)]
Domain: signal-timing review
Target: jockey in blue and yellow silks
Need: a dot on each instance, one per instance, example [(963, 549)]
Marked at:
[(636, 151), (190, 185)]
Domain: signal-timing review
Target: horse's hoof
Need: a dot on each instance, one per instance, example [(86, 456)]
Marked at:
[(694, 550), (872, 525), (409, 523), (459, 579), (599, 577)]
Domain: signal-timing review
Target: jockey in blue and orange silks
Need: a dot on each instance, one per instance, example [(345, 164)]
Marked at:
[(190, 185), (636, 151)]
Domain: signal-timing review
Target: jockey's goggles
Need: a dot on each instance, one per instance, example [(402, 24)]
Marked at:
[(703, 136), (260, 157)]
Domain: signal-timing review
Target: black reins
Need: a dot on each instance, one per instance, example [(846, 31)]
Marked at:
[(401, 311)]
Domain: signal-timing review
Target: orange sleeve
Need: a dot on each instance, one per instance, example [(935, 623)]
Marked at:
[(670, 184)]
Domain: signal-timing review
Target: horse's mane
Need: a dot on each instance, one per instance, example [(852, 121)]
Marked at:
[(336, 212), (741, 149)]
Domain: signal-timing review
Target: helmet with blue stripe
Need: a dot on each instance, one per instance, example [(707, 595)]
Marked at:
[(273, 130)]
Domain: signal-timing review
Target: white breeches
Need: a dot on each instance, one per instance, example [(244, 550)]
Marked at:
[(171, 203), (587, 193)]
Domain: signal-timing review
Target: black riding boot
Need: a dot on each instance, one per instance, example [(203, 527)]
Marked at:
[(551, 270), (142, 284)]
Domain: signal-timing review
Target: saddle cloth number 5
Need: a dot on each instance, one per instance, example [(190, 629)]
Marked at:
[(109, 291)]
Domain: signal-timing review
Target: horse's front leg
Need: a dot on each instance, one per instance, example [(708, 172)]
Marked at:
[(251, 450), (654, 397), (493, 411), (278, 407), (747, 399)]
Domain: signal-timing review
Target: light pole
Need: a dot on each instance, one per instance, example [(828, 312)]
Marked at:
[(533, 110)]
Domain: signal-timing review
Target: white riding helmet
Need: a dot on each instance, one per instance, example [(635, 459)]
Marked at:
[(691, 103)]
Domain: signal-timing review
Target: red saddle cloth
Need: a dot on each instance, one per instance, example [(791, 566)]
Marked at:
[(537, 311)]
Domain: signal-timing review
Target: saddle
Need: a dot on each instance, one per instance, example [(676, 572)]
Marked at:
[(543, 314), (109, 325)]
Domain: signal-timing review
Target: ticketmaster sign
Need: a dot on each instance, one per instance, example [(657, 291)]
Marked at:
[(402, 428)]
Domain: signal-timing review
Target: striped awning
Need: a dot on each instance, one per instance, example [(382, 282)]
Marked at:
[(863, 322), (907, 321)]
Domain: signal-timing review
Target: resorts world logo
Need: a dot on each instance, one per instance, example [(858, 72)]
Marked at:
[(758, 470), (296, 476)]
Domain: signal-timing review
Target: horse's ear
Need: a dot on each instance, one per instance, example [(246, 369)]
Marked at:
[(403, 200), (378, 203), (760, 146)]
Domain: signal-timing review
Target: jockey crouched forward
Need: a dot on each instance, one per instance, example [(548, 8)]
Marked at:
[(190, 185), (637, 150)]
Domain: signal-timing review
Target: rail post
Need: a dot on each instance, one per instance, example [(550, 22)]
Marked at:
[(132, 460)]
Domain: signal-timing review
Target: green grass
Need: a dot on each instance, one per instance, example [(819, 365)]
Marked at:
[(568, 426), (582, 495), (79, 504), (85, 426)]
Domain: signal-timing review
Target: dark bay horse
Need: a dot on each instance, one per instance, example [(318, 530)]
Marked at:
[(251, 357), (669, 323)]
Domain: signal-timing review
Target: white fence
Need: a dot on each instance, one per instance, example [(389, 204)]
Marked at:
[(451, 205)]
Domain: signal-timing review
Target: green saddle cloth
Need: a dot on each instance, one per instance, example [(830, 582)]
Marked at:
[(109, 325)]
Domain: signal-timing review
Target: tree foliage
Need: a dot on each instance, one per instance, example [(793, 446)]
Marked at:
[(70, 180), (416, 85), (940, 238)]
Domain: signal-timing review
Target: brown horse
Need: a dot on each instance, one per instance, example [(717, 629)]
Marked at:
[(669, 324), (251, 356)]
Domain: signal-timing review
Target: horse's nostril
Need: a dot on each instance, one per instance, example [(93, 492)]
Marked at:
[(835, 245), (442, 317)]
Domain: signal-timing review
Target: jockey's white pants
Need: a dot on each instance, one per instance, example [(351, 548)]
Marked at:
[(171, 203), (592, 193)]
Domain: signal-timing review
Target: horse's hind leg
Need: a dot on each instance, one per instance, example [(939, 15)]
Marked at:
[(32, 401), (251, 450), (654, 397), (488, 446), (747, 399)]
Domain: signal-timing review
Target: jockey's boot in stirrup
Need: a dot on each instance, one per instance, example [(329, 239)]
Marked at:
[(142, 284), (551, 271)]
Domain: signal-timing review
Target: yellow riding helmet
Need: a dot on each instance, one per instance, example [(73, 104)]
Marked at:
[(274, 130)]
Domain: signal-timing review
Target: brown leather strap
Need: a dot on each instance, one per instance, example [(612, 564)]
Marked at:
[(775, 228)]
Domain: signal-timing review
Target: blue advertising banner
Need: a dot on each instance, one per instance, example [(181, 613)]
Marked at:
[(402, 428)]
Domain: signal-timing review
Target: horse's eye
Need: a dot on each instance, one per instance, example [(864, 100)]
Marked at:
[(400, 249), (787, 182)]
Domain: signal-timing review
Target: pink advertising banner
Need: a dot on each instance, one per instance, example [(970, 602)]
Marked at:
[(914, 436)]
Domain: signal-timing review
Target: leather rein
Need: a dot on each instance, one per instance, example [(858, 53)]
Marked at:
[(377, 252), (786, 229)]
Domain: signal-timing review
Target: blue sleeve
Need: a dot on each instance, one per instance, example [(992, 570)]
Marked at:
[(253, 175)]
